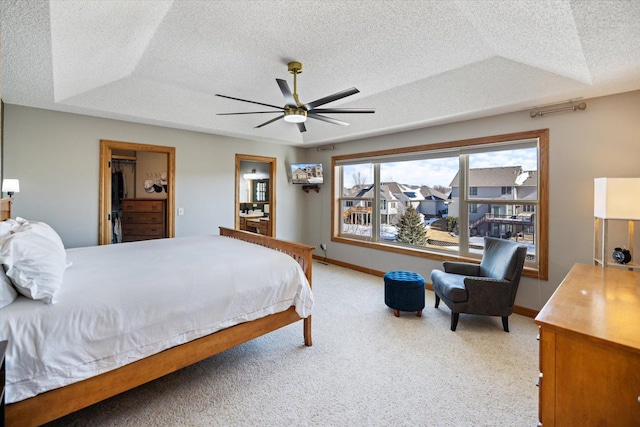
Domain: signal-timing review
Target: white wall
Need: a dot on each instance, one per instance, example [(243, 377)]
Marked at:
[(56, 157), (602, 141)]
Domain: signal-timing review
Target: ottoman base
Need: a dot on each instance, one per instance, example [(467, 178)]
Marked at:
[(397, 313)]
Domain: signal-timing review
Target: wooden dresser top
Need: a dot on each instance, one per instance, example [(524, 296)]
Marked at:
[(601, 304)]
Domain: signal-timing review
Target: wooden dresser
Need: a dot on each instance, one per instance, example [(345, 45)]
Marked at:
[(143, 219), (590, 350)]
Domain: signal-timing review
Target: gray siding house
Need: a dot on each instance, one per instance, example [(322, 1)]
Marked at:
[(502, 183)]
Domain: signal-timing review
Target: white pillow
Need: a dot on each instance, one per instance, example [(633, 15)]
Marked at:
[(41, 228), (35, 265), (7, 293), (8, 227)]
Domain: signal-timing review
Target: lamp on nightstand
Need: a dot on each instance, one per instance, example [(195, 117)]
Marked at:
[(615, 199), (11, 186)]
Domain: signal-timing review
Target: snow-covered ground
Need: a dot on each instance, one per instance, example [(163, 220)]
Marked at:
[(388, 232)]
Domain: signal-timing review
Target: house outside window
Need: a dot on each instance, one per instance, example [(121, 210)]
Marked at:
[(375, 189)]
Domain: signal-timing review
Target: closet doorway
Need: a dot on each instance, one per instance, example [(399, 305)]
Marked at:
[(255, 200), (124, 179)]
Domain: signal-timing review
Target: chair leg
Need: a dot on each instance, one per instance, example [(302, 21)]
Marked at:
[(454, 320), (437, 301), (505, 323)]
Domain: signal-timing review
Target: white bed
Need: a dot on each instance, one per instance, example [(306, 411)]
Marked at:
[(129, 313), (121, 303)]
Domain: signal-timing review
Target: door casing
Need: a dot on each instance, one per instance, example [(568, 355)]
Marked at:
[(106, 148), (272, 188)]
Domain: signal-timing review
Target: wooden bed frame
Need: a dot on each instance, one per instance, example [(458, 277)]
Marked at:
[(59, 402)]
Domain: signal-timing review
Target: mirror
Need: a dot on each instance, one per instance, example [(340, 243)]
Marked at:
[(255, 194), (137, 192)]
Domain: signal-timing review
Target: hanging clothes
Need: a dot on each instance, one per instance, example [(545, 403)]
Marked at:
[(117, 187), (117, 230)]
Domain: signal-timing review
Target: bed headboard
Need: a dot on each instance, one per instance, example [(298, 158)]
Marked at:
[(5, 209)]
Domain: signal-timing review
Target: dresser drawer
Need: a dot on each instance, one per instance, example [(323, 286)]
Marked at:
[(137, 238), (143, 218), (259, 227), (143, 205), (143, 230)]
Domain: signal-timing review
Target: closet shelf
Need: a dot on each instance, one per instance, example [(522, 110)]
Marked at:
[(121, 157)]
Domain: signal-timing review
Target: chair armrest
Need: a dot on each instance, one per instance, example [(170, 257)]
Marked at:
[(463, 268), (489, 296)]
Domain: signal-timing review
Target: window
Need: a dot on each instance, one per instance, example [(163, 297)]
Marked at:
[(383, 197), (357, 198)]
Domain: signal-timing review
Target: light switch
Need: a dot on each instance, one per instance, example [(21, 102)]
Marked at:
[(180, 211)]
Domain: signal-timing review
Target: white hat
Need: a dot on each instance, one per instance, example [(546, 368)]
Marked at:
[(148, 186)]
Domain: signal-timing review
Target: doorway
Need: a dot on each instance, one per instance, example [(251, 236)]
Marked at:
[(255, 199), (117, 156)]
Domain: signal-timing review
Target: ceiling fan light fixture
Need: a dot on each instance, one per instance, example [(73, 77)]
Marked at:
[(295, 115), (297, 112)]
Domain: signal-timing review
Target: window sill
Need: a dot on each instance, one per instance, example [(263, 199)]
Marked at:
[(425, 253)]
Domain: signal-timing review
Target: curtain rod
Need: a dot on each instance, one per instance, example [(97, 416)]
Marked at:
[(572, 107)]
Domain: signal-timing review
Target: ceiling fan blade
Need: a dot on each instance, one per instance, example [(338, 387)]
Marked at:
[(248, 112), (270, 121), (327, 119), (344, 110), (252, 102), (286, 92), (302, 127), (327, 99)]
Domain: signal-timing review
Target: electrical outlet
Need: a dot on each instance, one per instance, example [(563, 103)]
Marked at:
[(323, 246)]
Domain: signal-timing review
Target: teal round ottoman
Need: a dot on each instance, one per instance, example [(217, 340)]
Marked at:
[(404, 291)]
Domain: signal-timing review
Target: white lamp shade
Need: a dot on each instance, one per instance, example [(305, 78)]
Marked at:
[(11, 185), (616, 198)]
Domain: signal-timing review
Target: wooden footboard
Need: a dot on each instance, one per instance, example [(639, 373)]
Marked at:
[(57, 403), (303, 254)]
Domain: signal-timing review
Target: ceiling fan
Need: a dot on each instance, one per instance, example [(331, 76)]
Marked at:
[(295, 111)]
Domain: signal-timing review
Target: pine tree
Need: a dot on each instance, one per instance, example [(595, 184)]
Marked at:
[(411, 228)]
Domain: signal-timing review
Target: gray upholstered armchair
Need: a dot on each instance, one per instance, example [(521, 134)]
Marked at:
[(488, 289)]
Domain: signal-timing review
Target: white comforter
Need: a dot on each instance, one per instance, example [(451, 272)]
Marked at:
[(120, 303)]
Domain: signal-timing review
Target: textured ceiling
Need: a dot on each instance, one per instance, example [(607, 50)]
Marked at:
[(418, 63)]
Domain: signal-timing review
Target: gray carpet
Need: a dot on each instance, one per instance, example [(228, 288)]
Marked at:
[(366, 368)]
